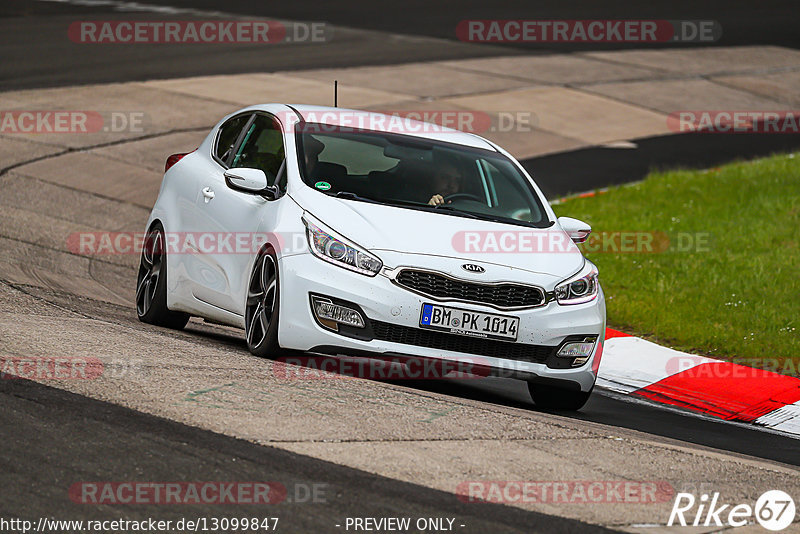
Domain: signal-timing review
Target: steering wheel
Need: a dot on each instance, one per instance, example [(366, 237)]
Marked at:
[(465, 196)]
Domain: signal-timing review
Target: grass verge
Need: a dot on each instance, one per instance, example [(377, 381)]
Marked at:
[(724, 275)]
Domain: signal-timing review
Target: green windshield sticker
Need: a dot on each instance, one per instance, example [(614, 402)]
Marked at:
[(322, 186)]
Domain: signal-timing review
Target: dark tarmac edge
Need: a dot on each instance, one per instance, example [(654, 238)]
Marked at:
[(53, 439), (649, 420), (598, 167)]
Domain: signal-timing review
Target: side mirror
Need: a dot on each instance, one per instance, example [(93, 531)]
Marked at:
[(577, 230), (246, 180)]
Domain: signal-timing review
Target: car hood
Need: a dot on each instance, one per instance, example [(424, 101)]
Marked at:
[(378, 227)]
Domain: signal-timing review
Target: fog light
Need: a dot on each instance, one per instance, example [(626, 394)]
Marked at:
[(331, 315), (579, 361), (577, 349)]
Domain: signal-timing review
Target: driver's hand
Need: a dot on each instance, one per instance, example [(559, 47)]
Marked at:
[(436, 200)]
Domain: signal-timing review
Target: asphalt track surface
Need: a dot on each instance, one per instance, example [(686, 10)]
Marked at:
[(615, 410), (66, 437), (37, 53), (53, 429)]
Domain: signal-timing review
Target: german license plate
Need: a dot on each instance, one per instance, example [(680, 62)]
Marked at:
[(468, 322)]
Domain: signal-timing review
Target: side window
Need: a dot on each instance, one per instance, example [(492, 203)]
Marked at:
[(507, 194), (281, 181), (228, 134), (262, 147)]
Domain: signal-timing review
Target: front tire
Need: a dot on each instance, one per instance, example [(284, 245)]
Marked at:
[(262, 306), (555, 398), (151, 284)]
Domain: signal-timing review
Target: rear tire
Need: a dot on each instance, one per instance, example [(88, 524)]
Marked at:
[(555, 398), (151, 284), (262, 306)]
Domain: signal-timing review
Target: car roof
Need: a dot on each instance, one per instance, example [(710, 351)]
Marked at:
[(393, 122)]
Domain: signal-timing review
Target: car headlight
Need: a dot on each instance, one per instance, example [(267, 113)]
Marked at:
[(580, 288), (327, 245)]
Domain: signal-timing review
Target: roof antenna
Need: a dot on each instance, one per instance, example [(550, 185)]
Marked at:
[(336, 93)]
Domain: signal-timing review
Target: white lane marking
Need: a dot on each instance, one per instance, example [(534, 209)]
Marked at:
[(631, 363), (786, 419)]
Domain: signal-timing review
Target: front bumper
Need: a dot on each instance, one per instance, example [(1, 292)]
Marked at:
[(393, 313)]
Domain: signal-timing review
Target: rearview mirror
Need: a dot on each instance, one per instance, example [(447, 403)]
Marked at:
[(246, 180), (577, 230)]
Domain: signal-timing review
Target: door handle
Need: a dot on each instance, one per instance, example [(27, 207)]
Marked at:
[(208, 193)]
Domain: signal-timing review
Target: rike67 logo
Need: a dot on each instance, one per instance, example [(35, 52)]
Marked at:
[(774, 510)]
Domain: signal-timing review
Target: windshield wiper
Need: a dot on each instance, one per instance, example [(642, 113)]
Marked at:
[(451, 209), (427, 207), (347, 195), (409, 203), (487, 216)]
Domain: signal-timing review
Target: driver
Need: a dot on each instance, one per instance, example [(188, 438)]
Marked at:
[(446, 181)]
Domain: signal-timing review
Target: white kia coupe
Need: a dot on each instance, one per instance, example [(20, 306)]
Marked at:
[(342, 232)]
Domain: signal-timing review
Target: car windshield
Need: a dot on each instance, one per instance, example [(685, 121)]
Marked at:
[(417, 173)]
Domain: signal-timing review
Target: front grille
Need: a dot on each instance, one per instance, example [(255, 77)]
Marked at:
[(498, 295), (457, 343)]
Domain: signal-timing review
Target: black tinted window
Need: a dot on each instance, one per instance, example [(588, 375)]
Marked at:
[(412, 171), (262, 147), (228, 134)]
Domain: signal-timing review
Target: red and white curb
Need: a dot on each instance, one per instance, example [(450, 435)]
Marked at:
[(725, 390)]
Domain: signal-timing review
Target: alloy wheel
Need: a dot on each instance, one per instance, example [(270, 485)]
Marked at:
[(149, 272), (261, 294)]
